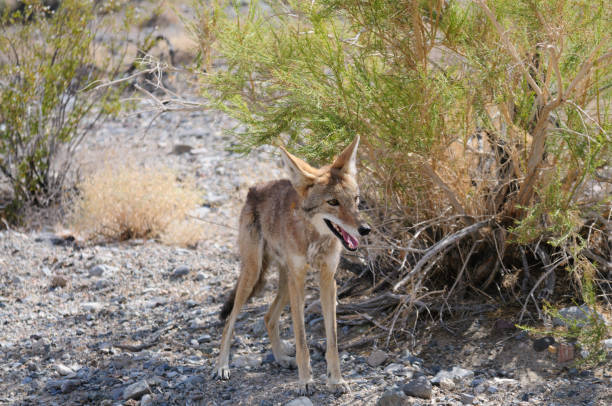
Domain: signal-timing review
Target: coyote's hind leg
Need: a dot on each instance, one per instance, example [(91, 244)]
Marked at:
[(280, 349), (251, 250)]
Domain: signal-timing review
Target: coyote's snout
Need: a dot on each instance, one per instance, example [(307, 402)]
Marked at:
[(297, 224)]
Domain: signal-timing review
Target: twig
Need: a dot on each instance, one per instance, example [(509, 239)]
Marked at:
[(361, 341), (465, 262), (439, 246), (551, 268)]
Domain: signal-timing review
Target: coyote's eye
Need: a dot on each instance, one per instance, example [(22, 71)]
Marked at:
[(333, 202)]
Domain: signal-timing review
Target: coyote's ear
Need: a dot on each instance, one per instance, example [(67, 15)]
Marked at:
[(347, 160), (301, 174)]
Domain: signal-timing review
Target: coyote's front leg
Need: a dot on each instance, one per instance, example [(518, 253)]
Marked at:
[(327, 284), (302, 356)]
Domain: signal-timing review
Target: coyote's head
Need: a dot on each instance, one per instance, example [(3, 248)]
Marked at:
[(330, 195)]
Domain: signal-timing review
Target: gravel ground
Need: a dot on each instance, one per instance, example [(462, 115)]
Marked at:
[(136, 323)]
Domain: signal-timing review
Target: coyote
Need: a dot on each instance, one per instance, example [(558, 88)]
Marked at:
[(297, 224)]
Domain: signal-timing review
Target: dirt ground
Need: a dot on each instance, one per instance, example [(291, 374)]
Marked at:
[(83, 323)]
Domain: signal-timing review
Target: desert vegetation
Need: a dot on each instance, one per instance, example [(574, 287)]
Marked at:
[(485, 128), (485, 156), (48, 99)]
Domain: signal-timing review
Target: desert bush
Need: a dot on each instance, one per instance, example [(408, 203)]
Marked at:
[(587, 333), (485, 128), (48, 96), (128, 202)]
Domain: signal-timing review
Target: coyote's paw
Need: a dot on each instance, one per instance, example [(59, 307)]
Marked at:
[(222, 372), (338, 386), (306, 388), (286, 362)]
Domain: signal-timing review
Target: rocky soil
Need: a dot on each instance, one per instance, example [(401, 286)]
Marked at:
[(136, 323)]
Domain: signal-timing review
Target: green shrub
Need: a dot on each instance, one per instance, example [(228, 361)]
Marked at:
[(48, 96), (466, 110)]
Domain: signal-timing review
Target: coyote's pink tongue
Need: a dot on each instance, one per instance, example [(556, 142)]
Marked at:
[(350, 240)]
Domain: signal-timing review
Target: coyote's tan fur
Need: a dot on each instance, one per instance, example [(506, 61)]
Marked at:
[(298, 224)]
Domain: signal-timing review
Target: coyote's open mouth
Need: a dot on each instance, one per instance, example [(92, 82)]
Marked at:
[(349, 242)]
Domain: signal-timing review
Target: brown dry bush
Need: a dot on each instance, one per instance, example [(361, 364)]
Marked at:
[(128, 202)]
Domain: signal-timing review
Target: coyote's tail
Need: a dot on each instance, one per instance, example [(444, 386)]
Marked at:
[(228, 305)]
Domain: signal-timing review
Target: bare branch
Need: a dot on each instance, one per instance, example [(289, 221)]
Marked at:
[(439, 246)]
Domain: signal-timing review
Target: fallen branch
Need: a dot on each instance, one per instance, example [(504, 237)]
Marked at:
[(440, 246)]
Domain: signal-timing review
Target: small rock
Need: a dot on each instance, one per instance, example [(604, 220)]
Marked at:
[(456, 374), (301, 401), (58, 282), (213, 199), (505, 381), (393, 368), (393, 398), (244, 361), (70, 385), (269, 358), (63, 370), (92, 306), (204, 338), (180, 149), (259, 328), (492, 389), (502, 326), (179, 272), (480, 388), (196, 380), (146, 400), (198, 151), (62, 385), (376, 358), (542, 344), (97, 270), (136, 390), (466, 398), (607, 344), (447, 384), (102, 284), (419, 387)]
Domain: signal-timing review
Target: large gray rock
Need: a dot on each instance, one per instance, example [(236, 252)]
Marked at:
[(578, 314)]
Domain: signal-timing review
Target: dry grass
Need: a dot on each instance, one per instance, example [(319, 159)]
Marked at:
[(127, 202)]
